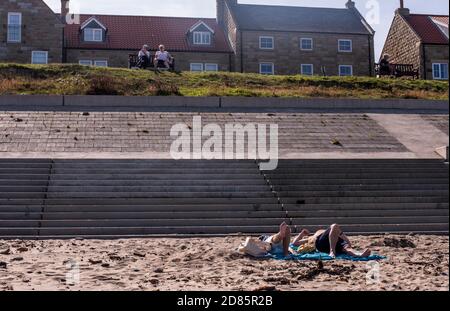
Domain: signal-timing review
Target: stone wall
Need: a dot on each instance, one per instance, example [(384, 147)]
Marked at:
[(41, 31), (287, 55), (434, 54)]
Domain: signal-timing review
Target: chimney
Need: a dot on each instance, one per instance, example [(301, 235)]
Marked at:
[(350, 4), (64, 10), (402, 10)]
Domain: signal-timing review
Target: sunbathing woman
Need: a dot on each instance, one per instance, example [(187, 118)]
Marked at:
[(281, 241), (331, 241)]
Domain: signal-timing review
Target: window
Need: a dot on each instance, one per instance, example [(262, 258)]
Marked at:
[(307, 69), (39, 57), (93, 34), (266, 68), (440, 71), (14, 27), (211, 67), (202, 37), (345, 70), (85, 62), (266, 43), (306, 44), (197, 67), (345, 45), (100, 63)]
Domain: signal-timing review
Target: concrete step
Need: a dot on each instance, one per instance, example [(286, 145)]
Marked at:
[(159, 183), (160, 201), (339, 182), (360, 200), (273, 176), (224, 175), (101, 223), (211, 213), (149, 171), (360, 187), (130, 187), (125, 215), (369, 220), (24, 177), (366, 206), (169, 195), (367, 213), (212, 230), (371, 193)]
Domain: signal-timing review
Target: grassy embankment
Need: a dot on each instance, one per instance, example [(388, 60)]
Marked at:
[(80, 80)]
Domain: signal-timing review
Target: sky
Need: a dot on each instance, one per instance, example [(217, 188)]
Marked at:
[(379, 13)]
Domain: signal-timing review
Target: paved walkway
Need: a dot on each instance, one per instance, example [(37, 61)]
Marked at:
[(147, 134)]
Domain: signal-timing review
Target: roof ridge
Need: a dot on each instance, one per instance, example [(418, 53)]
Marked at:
[(422, 14), (290, 6), (153, 16)]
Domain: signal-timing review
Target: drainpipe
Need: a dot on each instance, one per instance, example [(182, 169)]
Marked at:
[(424, 61), (242, 52), (370, 56)]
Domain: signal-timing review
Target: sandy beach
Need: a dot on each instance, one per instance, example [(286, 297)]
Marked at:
[(417, 263)]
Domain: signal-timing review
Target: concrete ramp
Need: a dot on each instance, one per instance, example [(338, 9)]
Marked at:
[(44, 198)]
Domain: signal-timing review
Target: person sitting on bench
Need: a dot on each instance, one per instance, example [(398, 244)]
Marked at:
[(162, 58), (385, 66), (144, 57)]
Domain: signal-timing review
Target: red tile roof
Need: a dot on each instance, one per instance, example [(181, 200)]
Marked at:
[(427, 30), (131, 32)]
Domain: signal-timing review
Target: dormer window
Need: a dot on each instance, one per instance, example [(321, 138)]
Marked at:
[(202, 37), (201, 34), (93, 34), (93, 30)]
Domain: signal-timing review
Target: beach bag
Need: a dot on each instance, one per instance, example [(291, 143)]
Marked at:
[(255, 248)]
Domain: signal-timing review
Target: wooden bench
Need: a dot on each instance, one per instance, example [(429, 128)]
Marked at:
[(398, 71), (133, 62)]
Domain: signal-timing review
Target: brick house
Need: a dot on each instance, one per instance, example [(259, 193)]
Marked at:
[(293, 40), (420, 40), (30, 32), (243, 38)]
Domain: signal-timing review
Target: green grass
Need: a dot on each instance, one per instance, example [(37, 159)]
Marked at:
[(81, 80)]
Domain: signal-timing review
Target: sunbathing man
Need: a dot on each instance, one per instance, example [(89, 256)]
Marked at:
[(331, 241), (281, 241)]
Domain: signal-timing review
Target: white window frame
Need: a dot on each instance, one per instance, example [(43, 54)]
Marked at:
[(9, 40), (33, 57), (216, 66), (439, 76), (202, 37), (94, 31), (102, 61), (301, 44), (266, 48), (348, 66), (85, 62), (266, 73), (345, 40), (196, 64), (312, 69)]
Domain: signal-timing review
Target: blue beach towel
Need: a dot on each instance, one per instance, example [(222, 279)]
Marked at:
[(325, 257)]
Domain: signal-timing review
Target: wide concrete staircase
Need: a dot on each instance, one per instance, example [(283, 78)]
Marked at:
[(44, 198), (365, 196)]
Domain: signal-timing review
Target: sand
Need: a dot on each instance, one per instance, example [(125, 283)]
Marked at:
[(415, 263)]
